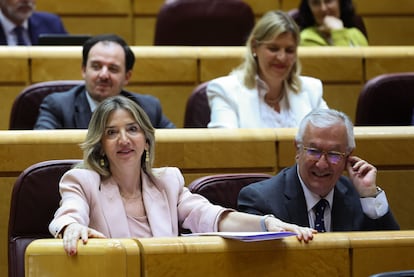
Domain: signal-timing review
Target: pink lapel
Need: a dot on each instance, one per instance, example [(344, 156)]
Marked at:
[(156, 206), (113, 210)]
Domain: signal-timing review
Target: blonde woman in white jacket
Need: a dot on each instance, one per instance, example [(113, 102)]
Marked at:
[(266, 90)]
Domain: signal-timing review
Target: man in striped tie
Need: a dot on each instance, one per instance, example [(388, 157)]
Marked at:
[(314, 192)]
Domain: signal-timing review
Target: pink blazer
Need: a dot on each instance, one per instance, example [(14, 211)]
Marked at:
[(88, 200)]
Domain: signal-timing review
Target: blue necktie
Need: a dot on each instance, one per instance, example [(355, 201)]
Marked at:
[(18, 30), (319, 210)]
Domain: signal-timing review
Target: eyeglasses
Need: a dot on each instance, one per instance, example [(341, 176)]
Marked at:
[(333, 157)]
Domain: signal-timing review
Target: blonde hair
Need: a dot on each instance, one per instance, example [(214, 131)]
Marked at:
[(271, 25)]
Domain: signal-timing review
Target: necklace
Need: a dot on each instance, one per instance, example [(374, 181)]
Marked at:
[(273, 102)]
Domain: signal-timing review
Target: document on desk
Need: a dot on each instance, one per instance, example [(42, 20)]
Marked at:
[(246, 236)]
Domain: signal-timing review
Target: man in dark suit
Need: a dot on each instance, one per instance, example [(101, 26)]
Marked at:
[(107, 63), (21, 25), (324, 144)]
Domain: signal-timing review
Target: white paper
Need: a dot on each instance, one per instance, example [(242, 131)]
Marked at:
[(246, 236)]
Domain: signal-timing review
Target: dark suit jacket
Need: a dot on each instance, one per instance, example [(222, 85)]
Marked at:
[(39, 23), (283, 196), (70, 110)]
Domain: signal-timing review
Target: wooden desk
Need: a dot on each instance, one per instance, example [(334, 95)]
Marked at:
[(216, 257), (100, 257), (375, 252), (353, 254)]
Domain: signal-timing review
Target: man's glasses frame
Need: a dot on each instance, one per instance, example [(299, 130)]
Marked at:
[(333, 157)]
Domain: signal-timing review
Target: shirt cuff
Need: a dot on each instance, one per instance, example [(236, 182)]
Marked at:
[(375, 207)]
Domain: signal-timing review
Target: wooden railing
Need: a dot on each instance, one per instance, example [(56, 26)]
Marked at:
[(351, 254)]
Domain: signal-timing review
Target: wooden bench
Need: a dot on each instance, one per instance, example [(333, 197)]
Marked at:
[(356, 254), (103, 257)]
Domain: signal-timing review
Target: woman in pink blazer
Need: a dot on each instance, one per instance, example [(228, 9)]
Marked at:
[(116, 193)]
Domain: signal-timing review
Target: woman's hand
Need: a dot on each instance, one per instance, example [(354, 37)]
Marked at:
[(302, 233), (75, 231)]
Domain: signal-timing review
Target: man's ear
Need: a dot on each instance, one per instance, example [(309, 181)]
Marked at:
[(128, 75), (83, 71), (295, 143)]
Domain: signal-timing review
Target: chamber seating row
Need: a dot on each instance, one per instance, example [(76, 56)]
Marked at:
[(387, 23), (356, 254), (202, 152), (171, 73)]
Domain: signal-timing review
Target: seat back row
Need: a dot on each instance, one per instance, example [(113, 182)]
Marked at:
[(136, 20), (343, 71)]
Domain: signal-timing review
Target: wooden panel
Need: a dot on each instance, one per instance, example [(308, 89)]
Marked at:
[(144, 30), (173, 99), (94, 25), (8, 93), (380, 60), (287, 5), (381, 7), (383, 147), (324, 256), (323, 63), (151, 69), (50, 69), (398, 186), (213, 150), (85, 7), (161, 64), (390, 30), (14, 59), (260, 7), (100, 257), (375, 252), (50, 63), (330, 254), (219, 61), (6, 186), (342, 97), (20, 149), (145, 7)]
